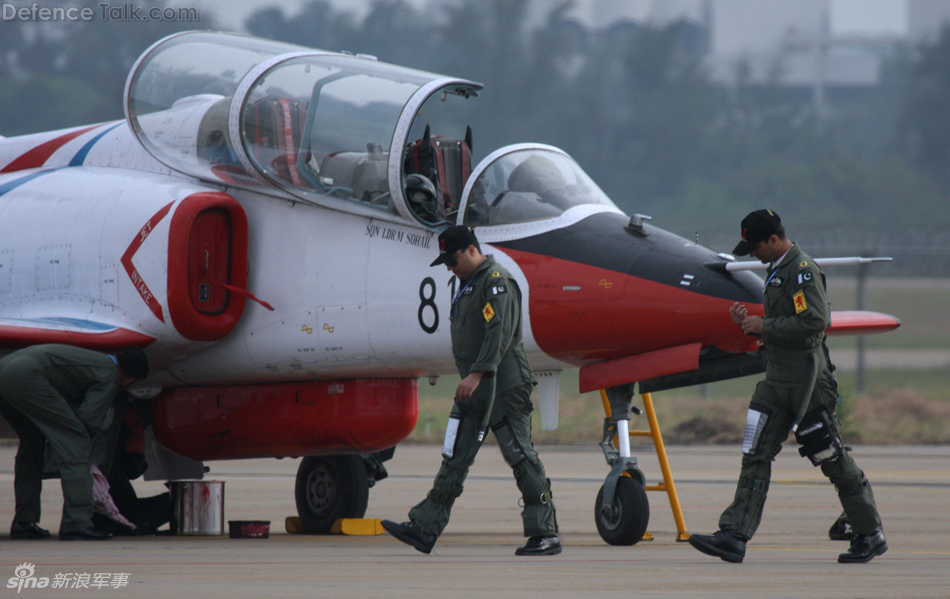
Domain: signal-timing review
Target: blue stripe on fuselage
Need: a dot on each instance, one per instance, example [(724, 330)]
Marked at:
[(80, 156), (77, 160), (11, 185)]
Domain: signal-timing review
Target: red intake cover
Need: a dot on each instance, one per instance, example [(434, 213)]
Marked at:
[(207, 248)]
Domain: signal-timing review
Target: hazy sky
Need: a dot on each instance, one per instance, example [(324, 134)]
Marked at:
[(869, 16), (847, 16)]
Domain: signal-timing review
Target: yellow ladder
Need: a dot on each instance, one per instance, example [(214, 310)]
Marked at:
[(667, 484)]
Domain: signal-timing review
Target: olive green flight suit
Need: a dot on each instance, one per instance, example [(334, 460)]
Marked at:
[(796, 315), (60, 394), (486, 337)]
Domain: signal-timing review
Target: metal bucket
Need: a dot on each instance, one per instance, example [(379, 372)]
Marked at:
[(199, 507)]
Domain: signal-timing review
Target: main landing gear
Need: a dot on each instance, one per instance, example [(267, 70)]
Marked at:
[(333, 487)]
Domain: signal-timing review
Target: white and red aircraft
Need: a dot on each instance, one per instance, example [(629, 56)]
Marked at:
[(248, 169)]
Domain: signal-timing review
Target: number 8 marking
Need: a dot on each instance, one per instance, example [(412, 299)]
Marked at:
[(430, 303)]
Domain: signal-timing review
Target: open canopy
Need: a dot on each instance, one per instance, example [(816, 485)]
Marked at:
[(329, 128)]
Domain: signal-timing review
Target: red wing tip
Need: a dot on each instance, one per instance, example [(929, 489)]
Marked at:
[(860, 322)]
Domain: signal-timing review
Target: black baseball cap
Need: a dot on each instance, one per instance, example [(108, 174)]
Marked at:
[(757, 227), (453, 240)]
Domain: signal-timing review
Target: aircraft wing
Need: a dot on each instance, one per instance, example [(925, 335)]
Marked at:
[(22, 332), (732, 266), (687, 365), (860, 322)]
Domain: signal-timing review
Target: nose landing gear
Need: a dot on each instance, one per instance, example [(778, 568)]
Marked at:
[(622, 511)]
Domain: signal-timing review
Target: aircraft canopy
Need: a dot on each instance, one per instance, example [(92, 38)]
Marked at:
[(528, 182), (319, 125)]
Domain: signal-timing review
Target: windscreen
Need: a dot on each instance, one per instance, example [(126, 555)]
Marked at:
[(527, 185)]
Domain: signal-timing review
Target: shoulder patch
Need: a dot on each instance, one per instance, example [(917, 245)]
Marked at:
[(499, 289), (799, 300), (806, 277), (488, 312)]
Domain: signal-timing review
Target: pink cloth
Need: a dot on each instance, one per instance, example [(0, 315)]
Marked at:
[(102, 501)]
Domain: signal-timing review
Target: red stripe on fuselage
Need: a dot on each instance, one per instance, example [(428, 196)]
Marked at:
[(13, 337), (37, 157), (614, 315)]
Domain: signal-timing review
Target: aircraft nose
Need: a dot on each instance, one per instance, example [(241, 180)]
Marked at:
[(748, 285), (598, 291)]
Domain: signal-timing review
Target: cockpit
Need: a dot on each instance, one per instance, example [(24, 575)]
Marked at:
[(530, 182), (323, 127), (339, 130)]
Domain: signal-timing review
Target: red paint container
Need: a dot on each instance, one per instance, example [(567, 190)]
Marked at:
[(249, 529)]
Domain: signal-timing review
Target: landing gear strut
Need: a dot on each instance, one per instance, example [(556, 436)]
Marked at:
[(622, 511)]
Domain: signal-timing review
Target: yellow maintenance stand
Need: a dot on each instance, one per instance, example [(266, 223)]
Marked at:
[(623, 520)]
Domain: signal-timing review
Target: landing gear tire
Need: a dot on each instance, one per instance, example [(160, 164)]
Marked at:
[(627, 521), (328, 488)]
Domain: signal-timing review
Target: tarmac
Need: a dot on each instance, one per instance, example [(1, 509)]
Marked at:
[(790, 556)]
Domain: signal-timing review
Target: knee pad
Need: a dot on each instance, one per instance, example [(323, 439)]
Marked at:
[(511, 449), (818, 436), (755, 421)]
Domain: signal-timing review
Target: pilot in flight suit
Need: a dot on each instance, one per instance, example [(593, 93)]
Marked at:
[(799, 393), (486, 343), (60, 394)]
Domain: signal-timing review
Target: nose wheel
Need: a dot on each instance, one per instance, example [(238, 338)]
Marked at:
[(625, 521), (622, 511)]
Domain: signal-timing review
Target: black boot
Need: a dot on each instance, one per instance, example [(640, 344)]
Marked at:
[(724, 544), (864, 548), (410, 534), (841, 530), (27, 530), (541, 545)]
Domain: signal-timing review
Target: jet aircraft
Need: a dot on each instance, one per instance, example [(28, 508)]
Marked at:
[(249, 224)]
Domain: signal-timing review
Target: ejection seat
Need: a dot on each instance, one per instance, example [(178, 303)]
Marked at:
[(445, 161), (274, 127)]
